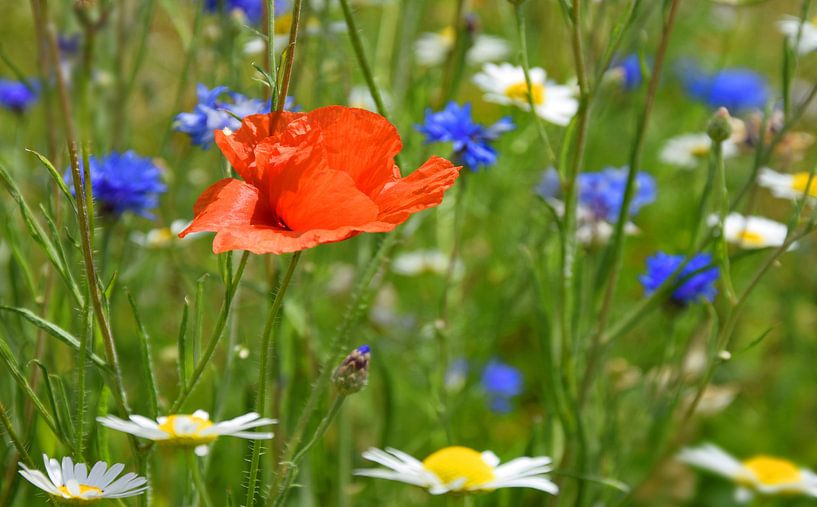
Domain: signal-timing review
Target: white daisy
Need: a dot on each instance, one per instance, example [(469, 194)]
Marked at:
[(787, 186), (75, 485), (764, 475), (196, 430), (460, 470), (424, 261), (432, 48), (361, 98), (163, 236), (505, 84), (688, 150), (751, 232), (790, 27)]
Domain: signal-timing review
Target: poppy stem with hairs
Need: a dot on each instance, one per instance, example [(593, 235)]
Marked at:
[(293, 39), (263, 374), (292, 468), (361, 298)]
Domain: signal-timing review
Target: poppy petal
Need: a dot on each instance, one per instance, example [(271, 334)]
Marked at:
[(359, 142), (239, 146), (419, 190), (303, 190), (263, 240), (226, 203)]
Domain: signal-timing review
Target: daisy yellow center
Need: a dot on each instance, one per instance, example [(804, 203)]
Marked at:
[(700, 150), (283, 24), (449, 35), (193, 437), (750, 237), (773, 471), (800, 180), (519, 91), (82, 490), (456, 463)]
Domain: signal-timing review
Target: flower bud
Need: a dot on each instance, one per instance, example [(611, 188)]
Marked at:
[(720, 126), (353, 373)]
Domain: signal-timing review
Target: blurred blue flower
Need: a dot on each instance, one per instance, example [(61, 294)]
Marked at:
[(602, 193), (17, 96), (123, 182), (735, 89), (456, 374), (210, 114), (502, 382), (252, 9), (697, 279), (628, 70), (471, 140)]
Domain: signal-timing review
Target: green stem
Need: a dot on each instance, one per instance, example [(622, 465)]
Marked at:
[(263, 373), (229, 295), (293, 39), (357, 45), (723, 247), (272, 69), (15, 440), (198, 481), (292, 467), (360, 302), (537, 120), (86, 234)]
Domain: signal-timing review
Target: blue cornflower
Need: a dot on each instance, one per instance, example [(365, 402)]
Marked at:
[(602, 193), (697, 279), (471, 140), (210, 114), (628, 70), (252, 9), (502, 382), (17, 95), (735, 89), (123, 182)]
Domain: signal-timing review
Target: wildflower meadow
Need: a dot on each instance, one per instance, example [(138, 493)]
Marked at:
[(393, 253)]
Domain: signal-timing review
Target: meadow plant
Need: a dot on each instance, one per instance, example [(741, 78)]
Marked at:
[(575, 232)]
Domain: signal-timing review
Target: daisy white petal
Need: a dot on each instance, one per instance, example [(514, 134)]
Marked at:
[(460, 470), (74, 484)]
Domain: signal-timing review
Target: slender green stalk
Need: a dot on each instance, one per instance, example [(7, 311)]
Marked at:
[(338, 347), (79, 432), (723, 246), (15, 440), (610, 265), (293, 39), (189, 56), (263, 373), (198, 481), (292, 467), (272, 69), (357, 45), (519, 14), (201, 365), (86, 237)]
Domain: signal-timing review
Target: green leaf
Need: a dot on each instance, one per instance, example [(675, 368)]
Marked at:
[(57, 177), (148, 376), (57, 332)]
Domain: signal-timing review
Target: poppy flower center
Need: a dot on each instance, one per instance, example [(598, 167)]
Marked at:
[(773, 471), (519, 91), (451, 464), (800, 181), (187, 429)]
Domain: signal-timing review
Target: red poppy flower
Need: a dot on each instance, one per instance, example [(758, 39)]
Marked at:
[(312, 178)]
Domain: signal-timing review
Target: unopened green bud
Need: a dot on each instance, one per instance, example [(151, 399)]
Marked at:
[(720, 126), (353, 373)]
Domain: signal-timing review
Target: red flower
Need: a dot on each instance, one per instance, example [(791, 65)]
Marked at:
[(312, 178)]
